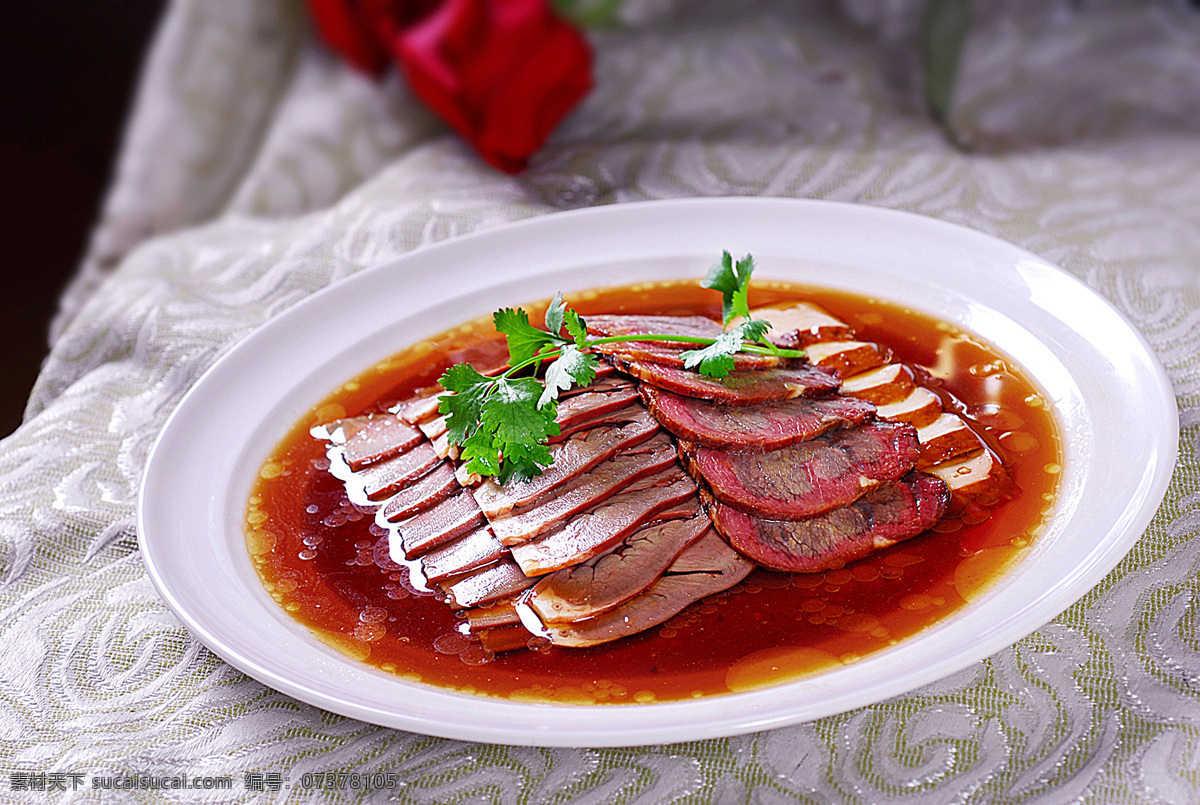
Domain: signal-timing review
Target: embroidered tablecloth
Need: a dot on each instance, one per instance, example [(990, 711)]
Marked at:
[(258, 169)]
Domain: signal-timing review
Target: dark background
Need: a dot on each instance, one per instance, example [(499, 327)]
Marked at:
[(70, 70)]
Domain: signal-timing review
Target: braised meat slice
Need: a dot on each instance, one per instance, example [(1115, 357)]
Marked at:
[(448, 520), (437, 485), (738, 387), (469, 552), (705, 567), (586, 490), (373, 439), (887, 515), (753, 428), (590, 408), (488, 584), (601, 527), (392, 474), (665, 352), (576, 455), (810, 477), (610, 579)]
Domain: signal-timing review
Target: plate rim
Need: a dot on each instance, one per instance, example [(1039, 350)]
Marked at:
[(757, 714)]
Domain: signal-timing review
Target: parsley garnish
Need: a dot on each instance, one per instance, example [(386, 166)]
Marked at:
[(501, 424)]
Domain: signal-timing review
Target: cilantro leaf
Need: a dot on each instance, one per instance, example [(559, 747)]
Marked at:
[(716, 359), (520, 427), (554, 314), (465, 405), (755, 330), (733, 281), (524, 340), (576, 327), (571, 367)]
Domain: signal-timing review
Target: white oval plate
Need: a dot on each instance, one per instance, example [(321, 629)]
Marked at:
[(1104, 382)]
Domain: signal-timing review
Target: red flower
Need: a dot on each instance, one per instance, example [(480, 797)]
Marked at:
[(502, 73)]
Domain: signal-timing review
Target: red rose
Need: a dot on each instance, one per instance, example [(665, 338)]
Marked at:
[(502, 73)]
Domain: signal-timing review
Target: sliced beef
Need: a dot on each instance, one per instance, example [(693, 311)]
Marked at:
[(586, 490), (890, 513), (486, 585), (371, 440), (592, 408), (695, 326), (665, 352), (707, 566), (610, 579), (576, 455), (737, 388), (440, 524), (437, 485), (849, 358), (474, 550), (808, 477), (392, 474), (603, 526), (753, 428)]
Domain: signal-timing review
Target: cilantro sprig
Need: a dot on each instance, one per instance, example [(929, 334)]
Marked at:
[(501, 423)]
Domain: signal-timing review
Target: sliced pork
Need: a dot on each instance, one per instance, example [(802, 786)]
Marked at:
[(883, 517), (810, 477), (753, 428)]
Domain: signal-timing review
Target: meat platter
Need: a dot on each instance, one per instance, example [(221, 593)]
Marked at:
[(933, 461)]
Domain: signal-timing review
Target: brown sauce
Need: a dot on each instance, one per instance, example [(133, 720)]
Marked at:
[(326, 563)]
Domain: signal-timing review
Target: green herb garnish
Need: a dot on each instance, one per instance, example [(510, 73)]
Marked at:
[(501, 424)]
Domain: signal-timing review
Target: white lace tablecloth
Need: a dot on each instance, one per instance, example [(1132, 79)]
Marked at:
[(258, 169)]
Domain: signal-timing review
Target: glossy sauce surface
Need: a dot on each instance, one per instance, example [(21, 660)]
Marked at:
[(326, 562)]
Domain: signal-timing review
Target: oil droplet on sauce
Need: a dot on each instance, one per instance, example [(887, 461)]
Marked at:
[(319, 558)]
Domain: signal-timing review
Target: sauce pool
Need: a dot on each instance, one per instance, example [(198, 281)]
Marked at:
[(327, 564)]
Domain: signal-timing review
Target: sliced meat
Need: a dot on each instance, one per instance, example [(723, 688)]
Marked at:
[(945, 438), (433, 428), (492, 616), (610, 579), (882, 386), (737, 388), (919, 408), (592, 408), (848, 358), (467, 553), (586, 490), (799, 324), (418, 409), (707, 566), (810, 477), (753, 428), (664, 352), (978, 475), (695, 326), (885, 516), (437, 485), (377, 438), (486, 585), (392, 474), (576, 455), (603, 526), (440, 524)]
